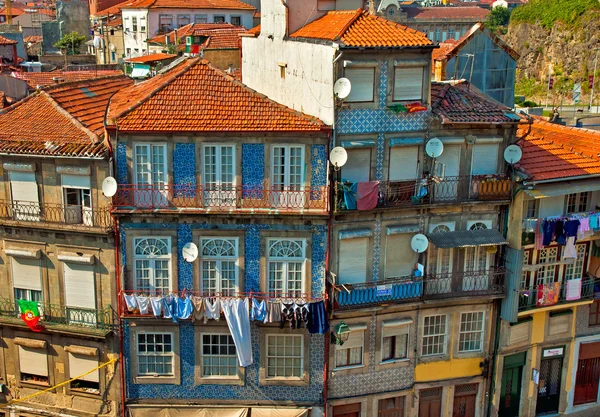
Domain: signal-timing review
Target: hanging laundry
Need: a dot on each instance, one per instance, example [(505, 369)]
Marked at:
[(198, 308), (548, 236), (368, 195), (594, 222), (130, 302), (143, 304), (318, 318), (547, 294), (258, 310), (302, 315), (573, 289), (570, 250), (185, 308), (238, 321), (273, 312), (212, 310), (571, 227), (539, 240), (157, 304), (288, 314), (170, 308), (559, 232)]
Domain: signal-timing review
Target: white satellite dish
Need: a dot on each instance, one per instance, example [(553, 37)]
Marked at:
[(338, 157), (419, 243), (109, 186), (342, 88), (513, 154), (190, 252), (434, 147)]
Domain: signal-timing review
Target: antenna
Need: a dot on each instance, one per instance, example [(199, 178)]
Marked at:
[(434, 147), (109, 186), (338, 157), (190, 252), (342, 88), (419, 243), (513, 154)]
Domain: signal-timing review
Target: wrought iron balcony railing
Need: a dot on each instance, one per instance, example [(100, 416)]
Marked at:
[(433, 190), (240, 198), (76, 319), (409, 289), (546, 295), (62, 216)]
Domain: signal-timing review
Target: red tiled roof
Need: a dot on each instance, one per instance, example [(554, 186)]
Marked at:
[(115, 22), (189, 4), (444, 48), (552, 151), (112, 10), (460, 102), (151, 58), (358, 28), (6, 41), (195, 96), (220, 35), (33, 39), (1, 99), (66, 120), (43, 79), (254, 31), (449, 12)]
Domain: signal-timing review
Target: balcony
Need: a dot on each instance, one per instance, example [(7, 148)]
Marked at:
[(410, 289), (58, 216), (540, 296), (56, 317), (432, 190), (224, 199)]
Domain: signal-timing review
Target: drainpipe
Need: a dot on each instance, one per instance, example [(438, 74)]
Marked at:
[(327, 263)]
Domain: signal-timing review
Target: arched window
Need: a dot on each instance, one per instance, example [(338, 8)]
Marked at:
[(478, 226), (152, 264), (440, 229), (219, 265), (286, 258)]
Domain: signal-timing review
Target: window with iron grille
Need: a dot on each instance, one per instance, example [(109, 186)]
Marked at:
[(471, 332), (434, 335)]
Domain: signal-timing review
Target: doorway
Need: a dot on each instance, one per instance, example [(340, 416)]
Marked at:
[(588, 374), (430, 402), (465, 398), (510, 390), (548, 396), (347, 410)]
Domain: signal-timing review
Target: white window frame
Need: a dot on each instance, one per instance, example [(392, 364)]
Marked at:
[(271, 260), (579, 198), (571, 270), (219, 259), (347, 73), (171, 355), (287, 183), (218, 167), (466, 333), (479, 224), (154, 176), (449, 225), (217, 357), (544, 269), (433, 336), (357, 330), (152, 258), (269, 357), (392, 360)]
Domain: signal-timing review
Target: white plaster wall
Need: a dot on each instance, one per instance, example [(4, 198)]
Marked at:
[(135, 40), (246, 16), (308, 83)]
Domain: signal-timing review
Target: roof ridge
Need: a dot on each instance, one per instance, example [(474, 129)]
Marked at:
[(93, 136), (72, 83), (358, 13), (169, 76)]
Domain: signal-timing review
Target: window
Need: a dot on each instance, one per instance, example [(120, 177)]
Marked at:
[(547, 274), (155, 354), (347, 410), (531, 209), (78, 199), (219, 175), (391, 407), (471, 332), (236, 20), (594, 318), (444, 36), (165, 22), (363, 84), (80, 293), (219, 265), (404, 164), (394, 344), (352, 260), (285, 356), (24, 195), (527, 255), (477, 257), (451, 33), (437, 35), (434, 335), (27, 278), (288, 167), (150, 164), (578, 202), (219, 356), (439, 261), (358, 166), (286, 266), (485, 159), (134, 26), (201, 18), (80, 364), (218, 19), (577, 268), (33, 363), (351, 352), (128, 51), (142, 29), (152, 264), (408, 83), (183, 19)]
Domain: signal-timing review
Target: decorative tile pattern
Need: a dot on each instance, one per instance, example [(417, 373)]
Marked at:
[(362, 121), (122, 163), (383, 82), (252, 258), (319, 169), (380, 156), (184, 169), (185, 280), (319, 251), (372, 340), (581, 322), (253, 169), (376, 248)]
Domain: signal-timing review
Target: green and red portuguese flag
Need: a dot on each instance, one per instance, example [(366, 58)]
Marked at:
[(30, 313)]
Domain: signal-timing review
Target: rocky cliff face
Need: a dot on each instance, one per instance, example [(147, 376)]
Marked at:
[(570, 49)]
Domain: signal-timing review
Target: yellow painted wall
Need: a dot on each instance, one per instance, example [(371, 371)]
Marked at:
[(454, 368)]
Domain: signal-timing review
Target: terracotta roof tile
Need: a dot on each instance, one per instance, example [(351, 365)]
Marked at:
[(358, 28), (254, 31), (33, 39), (151, 58), (552, 151), (196, 96), (44, 79), (66, 120), (6, 41), (220, 35), (112, 10), (449, 12), (460, 102), (1, 99), (190, 4)]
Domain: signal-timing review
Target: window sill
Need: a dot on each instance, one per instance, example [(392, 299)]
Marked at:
[(293, 382), (148, 379), (236, 380), (33, 384), (87, 394), (346, 368), (393, 361)]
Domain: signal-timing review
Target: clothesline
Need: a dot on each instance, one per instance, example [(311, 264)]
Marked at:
[(284, 297)]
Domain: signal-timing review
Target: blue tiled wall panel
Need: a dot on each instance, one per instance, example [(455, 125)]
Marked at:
[(360, 121), (185, 269), (253, 169), (319, 170), (184, 170), (122, 163)]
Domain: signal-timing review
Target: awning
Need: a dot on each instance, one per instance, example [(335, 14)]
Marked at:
[(216, 412), (140, 71), (467, 238), (563, 188), (279, 412)]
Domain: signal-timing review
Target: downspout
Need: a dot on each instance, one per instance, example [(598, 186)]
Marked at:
[(327, 262)]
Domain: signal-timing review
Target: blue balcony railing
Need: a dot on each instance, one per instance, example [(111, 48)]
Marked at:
[(390, 290)]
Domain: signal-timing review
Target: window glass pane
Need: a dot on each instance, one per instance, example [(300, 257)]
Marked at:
[(362, 81), (434, 335), (154, 354), (285, 356), (471, 332), (218, 356), (408, 84)]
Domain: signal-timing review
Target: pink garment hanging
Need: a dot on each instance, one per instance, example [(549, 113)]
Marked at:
[(367, 195), (539, 237)]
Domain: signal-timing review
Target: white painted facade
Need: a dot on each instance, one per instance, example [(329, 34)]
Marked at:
[(148, 23), (299, 75)]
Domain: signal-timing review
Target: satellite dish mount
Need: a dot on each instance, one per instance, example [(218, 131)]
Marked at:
[(338, 157)]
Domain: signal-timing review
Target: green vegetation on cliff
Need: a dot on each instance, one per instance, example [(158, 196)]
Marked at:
[(548, 12)]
